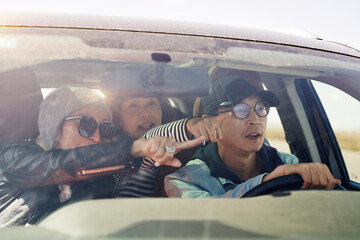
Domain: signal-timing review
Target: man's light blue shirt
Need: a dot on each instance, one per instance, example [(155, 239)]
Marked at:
[(207, 176)]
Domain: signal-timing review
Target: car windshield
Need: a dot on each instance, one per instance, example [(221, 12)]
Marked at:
[(160, 75)]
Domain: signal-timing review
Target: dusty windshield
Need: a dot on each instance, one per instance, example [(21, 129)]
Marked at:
[(99, 114)]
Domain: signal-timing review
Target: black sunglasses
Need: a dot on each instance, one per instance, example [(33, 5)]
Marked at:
[(242, 110), (87, 127)]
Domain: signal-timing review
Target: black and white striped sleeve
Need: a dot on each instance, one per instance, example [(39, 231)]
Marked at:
[(175, 130)]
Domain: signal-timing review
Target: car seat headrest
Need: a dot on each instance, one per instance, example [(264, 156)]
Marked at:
[(197, 109), (20, 97)]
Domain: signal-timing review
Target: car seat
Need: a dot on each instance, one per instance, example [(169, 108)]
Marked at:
[(20, 97)]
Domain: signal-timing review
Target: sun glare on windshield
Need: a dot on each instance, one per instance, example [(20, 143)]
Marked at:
[(46, 91)]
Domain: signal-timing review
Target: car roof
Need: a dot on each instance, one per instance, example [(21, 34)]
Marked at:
[(107, 22)]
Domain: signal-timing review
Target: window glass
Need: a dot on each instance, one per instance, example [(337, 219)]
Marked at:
[(275, 132), (343, 113), (46, 91)]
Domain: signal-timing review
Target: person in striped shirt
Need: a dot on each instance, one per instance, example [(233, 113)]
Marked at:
[(141, 117), (75, 158), (183, 130)]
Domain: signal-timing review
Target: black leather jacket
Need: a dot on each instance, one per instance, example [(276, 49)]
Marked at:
[(29, 176)]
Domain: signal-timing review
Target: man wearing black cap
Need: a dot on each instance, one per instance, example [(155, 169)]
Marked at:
[(240, 159)]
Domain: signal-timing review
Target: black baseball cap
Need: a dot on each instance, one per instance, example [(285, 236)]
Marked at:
[(231, 90)]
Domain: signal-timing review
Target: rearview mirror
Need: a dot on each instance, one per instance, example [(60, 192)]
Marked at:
[(156, 80)]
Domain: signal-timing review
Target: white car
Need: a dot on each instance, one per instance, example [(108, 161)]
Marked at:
[(172, 60)]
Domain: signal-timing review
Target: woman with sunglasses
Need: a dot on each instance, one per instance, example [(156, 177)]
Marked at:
[(78, 146), (240, 159)]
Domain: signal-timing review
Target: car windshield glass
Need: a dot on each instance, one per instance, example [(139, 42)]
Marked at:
[(121, 112)]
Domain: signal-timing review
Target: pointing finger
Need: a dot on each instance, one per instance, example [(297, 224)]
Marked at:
[(221, 117), (188, 144)]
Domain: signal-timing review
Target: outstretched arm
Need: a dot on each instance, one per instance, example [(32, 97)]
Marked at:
[(184, 129), (142, 183), (209, 127), (155, 148), (28, 165)]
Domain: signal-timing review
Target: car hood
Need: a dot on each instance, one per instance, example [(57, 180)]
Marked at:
[(295, 215)]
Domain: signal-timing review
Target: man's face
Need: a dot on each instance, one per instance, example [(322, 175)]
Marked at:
[(245, 135), (136, 116), (69, 136)]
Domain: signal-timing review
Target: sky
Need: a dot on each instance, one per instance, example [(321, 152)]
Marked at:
[(332, 20)]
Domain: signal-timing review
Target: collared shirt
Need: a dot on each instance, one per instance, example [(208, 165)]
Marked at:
[(207, 176)]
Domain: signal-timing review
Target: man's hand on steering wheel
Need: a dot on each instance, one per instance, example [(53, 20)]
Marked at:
[(314, 175)]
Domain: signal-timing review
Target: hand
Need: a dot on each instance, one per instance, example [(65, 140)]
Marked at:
[(209, 127), (315, 175), (154, 148)]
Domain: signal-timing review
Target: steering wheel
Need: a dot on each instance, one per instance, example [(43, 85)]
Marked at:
[(283, 183)]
